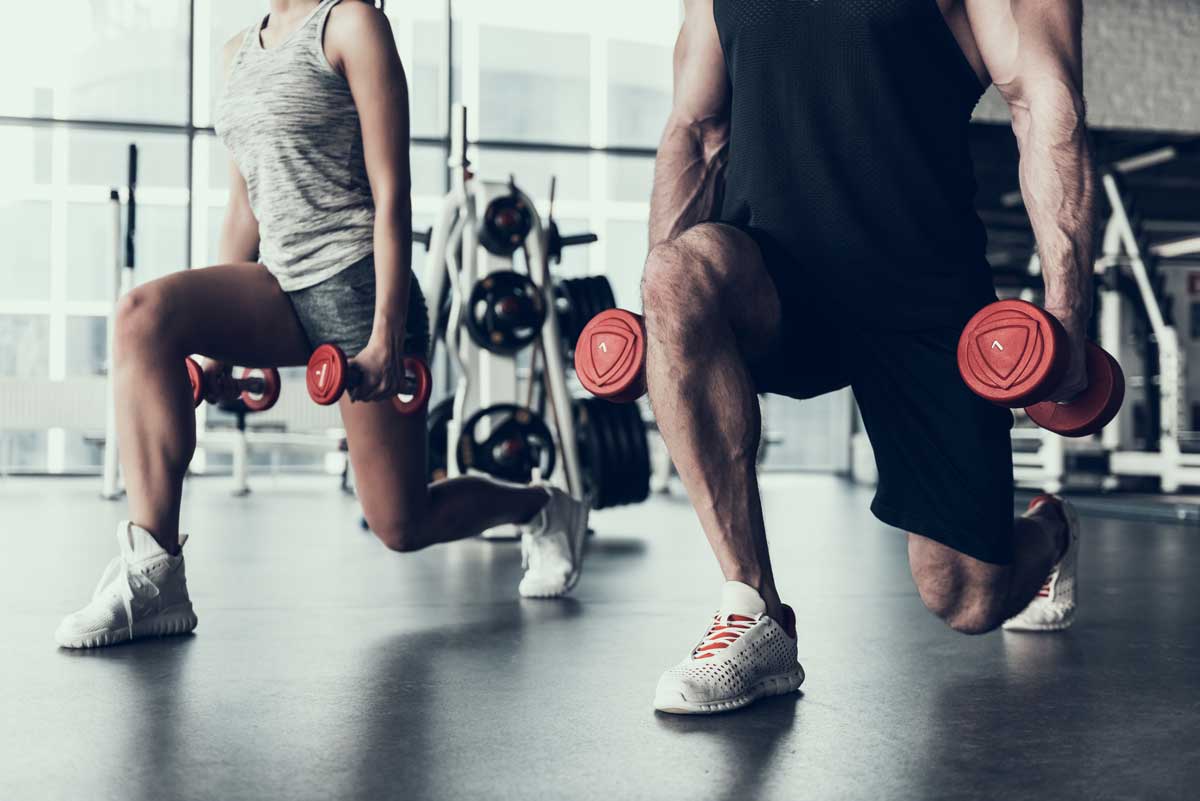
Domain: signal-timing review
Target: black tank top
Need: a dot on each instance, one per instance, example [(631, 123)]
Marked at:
[(849, 157)]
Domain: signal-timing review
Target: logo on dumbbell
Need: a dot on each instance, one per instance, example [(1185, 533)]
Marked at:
[(996, 345)]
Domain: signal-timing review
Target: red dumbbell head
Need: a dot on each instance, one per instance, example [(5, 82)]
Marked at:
[(260, 402), (1094, 408), (1013, 353), (610, 356), (328, 369), (419, 371)]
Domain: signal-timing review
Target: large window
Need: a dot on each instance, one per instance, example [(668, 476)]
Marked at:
[(573, 91)]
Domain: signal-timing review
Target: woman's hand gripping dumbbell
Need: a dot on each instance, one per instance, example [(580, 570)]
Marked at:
[(330, 374), (258, 388), (1017, 355)]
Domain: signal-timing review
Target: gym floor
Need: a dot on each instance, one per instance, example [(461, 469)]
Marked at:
[(326, 667)]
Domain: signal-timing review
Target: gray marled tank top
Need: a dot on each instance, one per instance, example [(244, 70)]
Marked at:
[(289, 120)]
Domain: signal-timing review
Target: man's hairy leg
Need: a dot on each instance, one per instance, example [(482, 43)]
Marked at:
[(710, 306)]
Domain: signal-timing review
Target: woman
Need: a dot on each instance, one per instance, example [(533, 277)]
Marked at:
[(315, 114)]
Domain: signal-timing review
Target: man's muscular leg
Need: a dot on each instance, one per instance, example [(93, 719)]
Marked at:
[(711, 308), (975, 597)]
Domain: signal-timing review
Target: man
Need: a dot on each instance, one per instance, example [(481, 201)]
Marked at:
[(813, 227)]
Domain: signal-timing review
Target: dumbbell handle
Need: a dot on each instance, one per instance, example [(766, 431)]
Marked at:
[(410, 384), (253, 384), (330, 373)]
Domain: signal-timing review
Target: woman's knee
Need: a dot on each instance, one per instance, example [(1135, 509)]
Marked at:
[(141, 316), (401, 534)]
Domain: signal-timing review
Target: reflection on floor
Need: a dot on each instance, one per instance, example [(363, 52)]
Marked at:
[(327, 667)]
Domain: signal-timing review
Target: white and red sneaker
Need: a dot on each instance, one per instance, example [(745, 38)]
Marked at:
[(1053, 608), (743, 656)]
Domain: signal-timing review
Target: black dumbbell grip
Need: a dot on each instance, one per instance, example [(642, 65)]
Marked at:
[(408, 384), (254, 384)]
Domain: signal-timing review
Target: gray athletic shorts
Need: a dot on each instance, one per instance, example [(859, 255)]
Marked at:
[(341, 310)]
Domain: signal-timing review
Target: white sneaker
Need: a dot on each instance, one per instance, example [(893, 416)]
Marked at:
[(743, 656), (1053, 608), (552, 547), (142, 593)]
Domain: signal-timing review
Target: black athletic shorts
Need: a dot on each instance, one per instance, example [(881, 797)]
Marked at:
[(944, 454)]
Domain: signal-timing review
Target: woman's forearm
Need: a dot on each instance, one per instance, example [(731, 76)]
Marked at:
[(393, 266), (239, 237)]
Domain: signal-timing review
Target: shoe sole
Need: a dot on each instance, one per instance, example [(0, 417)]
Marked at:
[(1060, 626), (577, 543), (169, 623), (780, 684)]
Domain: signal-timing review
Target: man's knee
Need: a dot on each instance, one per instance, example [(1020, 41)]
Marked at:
[(966, 613), (686, 280), (965, 593)]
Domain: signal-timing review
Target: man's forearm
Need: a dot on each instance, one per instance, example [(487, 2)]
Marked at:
[(687, 175), (1058, 184)]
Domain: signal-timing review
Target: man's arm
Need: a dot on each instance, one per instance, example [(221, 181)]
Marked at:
[(691, 155), (1033, 50)]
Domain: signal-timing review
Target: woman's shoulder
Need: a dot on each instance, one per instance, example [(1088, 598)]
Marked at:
[(231, 47), (358, 25)]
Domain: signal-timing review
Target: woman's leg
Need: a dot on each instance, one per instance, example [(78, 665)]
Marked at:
[(387, 450), (236, 313)]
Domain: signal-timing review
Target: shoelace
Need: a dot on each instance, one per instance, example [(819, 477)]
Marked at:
[(722, 633), (135, 584), (1048, 586)]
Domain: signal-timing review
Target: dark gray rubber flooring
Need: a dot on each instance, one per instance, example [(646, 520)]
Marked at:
[(325, 667)]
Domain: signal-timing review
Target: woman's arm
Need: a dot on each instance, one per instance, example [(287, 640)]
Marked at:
[(360, 45), (239, 231)]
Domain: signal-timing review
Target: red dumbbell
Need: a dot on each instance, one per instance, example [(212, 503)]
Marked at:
[(258, 388), (1014, 354), (610, 356), (330, 374)]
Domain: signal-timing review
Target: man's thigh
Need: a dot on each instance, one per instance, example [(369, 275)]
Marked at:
[(944, 455)]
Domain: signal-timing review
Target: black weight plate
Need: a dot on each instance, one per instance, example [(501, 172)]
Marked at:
[(515, 421), (505, 312), (625, 463), (639, 483), (506, 223), (439, 438), (590, 455), (607, 298), (610, 442), (600, 294), (568, 314)]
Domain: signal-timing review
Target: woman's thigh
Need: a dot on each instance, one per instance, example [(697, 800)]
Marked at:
[(236, 313)]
